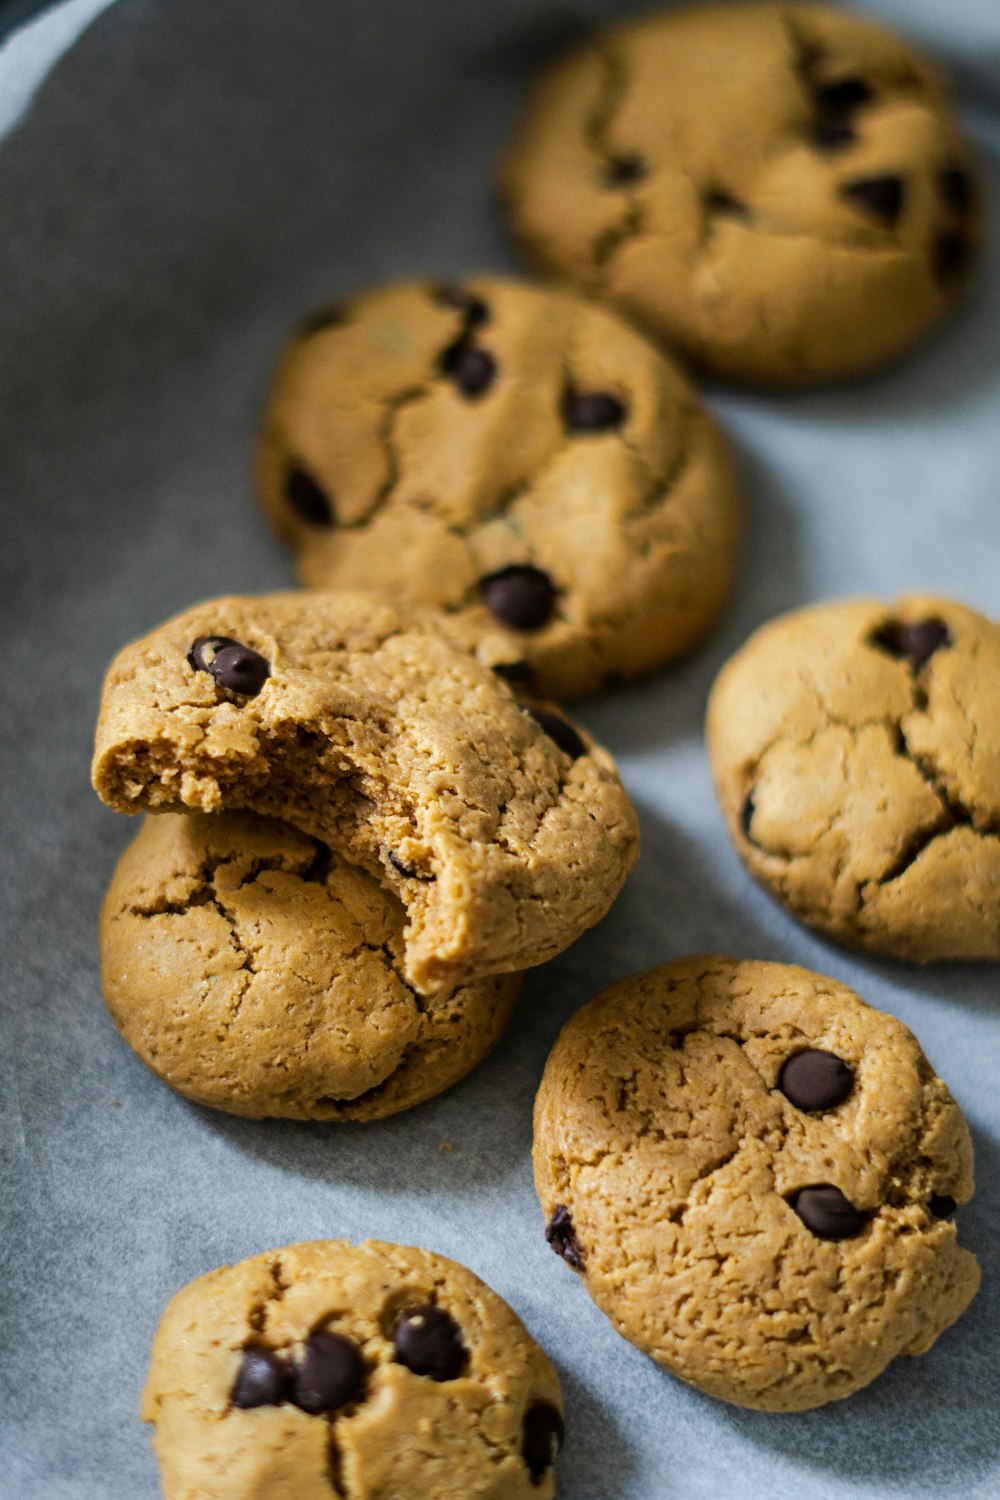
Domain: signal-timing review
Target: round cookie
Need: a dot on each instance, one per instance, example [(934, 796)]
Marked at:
[(855, 749), (778, 191), (513, 457), (361, 1371), (503, 830), (753, 1173), (255, 972)]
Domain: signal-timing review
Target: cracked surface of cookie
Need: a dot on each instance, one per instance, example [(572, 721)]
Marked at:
[(775, 1254), (255, 972), (855, 749), (368, 730), (331, 1371), (778, 191), (514, 457)]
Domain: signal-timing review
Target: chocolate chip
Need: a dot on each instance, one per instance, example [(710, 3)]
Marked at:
[(234, 666), (815, 1080), (561, 1236), (831, 135), (621, 171), (328, 1375), (956, 190), (472, 369), (951, 255), (942, 1205), (882, 197), (835, 100), (719, 202), (515, 671), (473, 309), (542, 1434), (557, 729), (407, 872), (307, 499), (520, 596), (916, 643), (593, 411), (262, 1381), (429, 1342), (827, 1213), (746, 815)]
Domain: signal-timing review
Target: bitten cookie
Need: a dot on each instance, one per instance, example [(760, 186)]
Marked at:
[(754, 1174), (256, 972), (778, 191), (361, 1371), (856, 754), (503, 831), (513, 457)]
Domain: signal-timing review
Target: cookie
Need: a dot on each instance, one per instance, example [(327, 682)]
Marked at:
[(855, 749), (254, 971), (778, 191), (504, 831), (754, 1174), (358, 1371), (512, 457)]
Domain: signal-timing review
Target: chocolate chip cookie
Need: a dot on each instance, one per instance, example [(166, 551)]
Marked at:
[(856, 754), (778, 191), (755, 1175), (255, 971), (504, 831), (361, 1371), (510, 456)]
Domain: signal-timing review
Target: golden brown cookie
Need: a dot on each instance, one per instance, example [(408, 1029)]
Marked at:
[(365, 1372), (504, 832), (754, 1174), (255, 971), (778, 191), (513, 457), (855, 749)]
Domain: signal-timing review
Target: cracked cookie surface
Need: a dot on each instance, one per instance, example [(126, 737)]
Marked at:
[(775, 1254), (257, 973), (778, 191), (513, 457), (368, 730), (331, 1371), (855, 749)]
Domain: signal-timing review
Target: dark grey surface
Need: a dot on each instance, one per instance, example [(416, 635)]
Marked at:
[(193, 176)]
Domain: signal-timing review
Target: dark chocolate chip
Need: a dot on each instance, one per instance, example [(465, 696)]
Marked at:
[(951, 255), (882, 197), (473, 309), (831, 135), (515, 671), (826, 1213), (407, 871), (561, 1236), (331, 316), (542, 1435), (558, 730), (719, 202), (621, 171), (815, 1080), (836, 100), (593, 411), (262, 1381), (916, 643), (520, 596), (472, 369), (746, 815), (307, 499), (329, 1374), (942, 1205), (233, 665), (429, 1342), (956, 190)]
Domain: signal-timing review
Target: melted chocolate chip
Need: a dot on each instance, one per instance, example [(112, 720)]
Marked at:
[(722, 203), (833, 135), (826, 1213), (307, 499), (951, 256), (837, 100), (329, 1374), (942, 1205), (233, 665), (521, 596), (561, 1236), (956, 189), (542, 1434), (407, 871), (472, 369), (915, 643), (622, 171), (429, 1342), (814, 1080), (593, 411), (263, 1379), (515, 671), (558, 730), (881, 197), (473, 309)]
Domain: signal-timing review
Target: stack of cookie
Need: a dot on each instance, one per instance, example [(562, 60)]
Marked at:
[(369, 820)]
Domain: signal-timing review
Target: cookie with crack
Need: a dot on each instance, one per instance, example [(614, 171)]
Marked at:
[(515, 458), (754, 1174), (855, 749), (254, 971), (778, 191), (504, 831), (352, 1370)]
